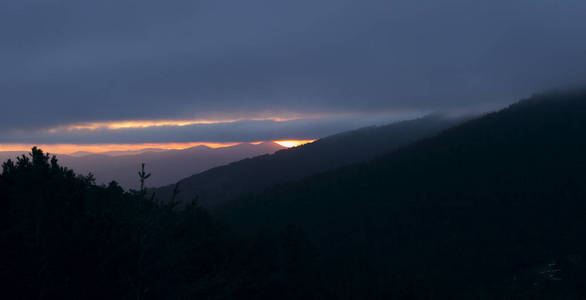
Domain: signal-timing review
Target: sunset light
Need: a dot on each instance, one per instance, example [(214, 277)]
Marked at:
[(100, 148), (128, 124), (293, 143)]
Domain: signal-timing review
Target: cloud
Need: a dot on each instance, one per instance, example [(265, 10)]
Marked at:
[(219, 132), (73, 61)]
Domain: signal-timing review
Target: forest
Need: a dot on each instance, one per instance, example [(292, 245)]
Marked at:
[(493, 208), (62, 236)]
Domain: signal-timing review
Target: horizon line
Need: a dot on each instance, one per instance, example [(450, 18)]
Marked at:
[(105, 148)]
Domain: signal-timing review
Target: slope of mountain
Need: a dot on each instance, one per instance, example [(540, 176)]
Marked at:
[(166, 166), (218, 185), (494, 209)]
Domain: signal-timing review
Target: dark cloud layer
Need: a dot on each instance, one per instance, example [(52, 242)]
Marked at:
[(67, 61)]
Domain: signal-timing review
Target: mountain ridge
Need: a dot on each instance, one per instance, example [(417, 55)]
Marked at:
[(224, 183), (478, 209)]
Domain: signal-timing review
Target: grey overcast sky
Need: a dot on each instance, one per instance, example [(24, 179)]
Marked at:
[(328, 64)]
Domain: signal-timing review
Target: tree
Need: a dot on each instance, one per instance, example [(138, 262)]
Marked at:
[(143, 176)]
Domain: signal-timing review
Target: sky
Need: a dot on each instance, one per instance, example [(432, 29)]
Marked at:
[(106, 72)]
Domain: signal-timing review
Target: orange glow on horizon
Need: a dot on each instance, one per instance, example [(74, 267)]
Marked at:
[(293, 143), (100, 148)]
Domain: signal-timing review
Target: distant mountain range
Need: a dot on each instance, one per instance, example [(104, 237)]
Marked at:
[(222, 184), (118, 152), (166, 166)]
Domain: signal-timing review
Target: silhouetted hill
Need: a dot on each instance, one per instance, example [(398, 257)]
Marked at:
[(64, 237), (220, 184), (494, 208), (166, 166)]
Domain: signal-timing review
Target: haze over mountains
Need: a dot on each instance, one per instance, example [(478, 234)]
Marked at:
[(221, 184), (166, 166)]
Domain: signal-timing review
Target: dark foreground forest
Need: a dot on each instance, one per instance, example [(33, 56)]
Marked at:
[(63, 237), (492, 209)]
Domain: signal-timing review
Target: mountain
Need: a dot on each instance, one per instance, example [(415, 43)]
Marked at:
[(221, 184), (491, 209), (494, 209), (80, 153), (117, 152), (4, 155), (166, 166), (132, 152)]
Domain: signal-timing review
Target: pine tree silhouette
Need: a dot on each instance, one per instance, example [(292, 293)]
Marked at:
[(143, 176)]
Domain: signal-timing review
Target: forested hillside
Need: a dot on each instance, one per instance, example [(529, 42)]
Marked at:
[(492, 208)]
